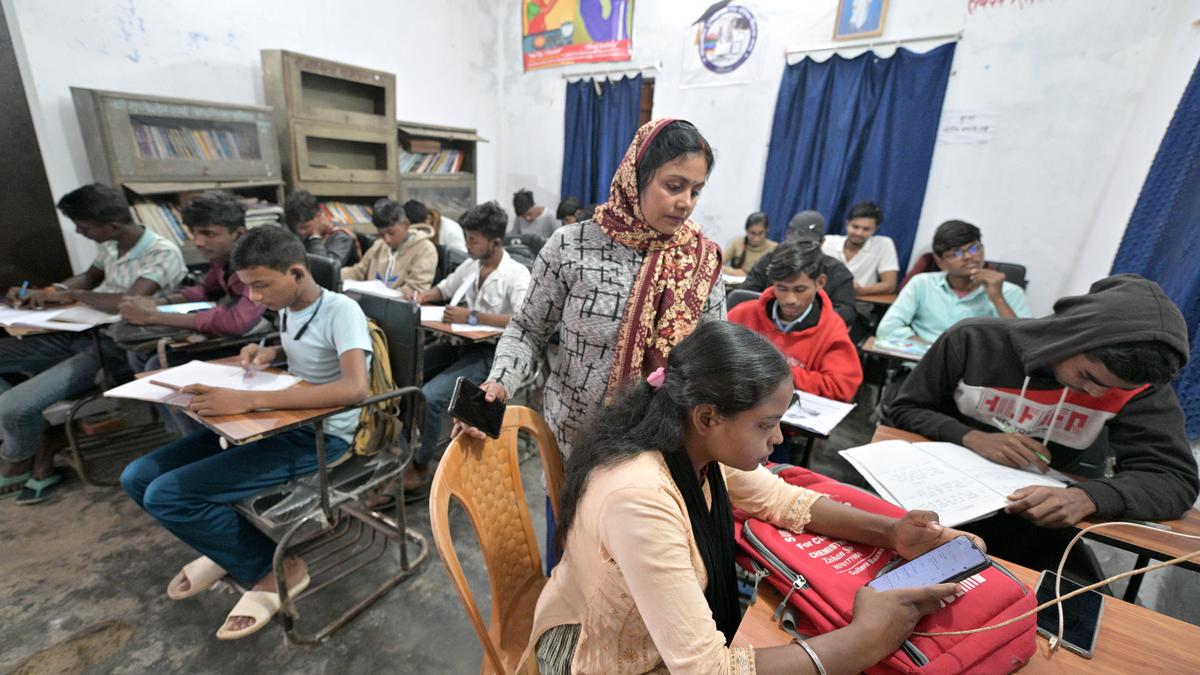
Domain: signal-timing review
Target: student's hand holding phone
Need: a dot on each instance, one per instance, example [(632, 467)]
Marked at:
[(1012, 450), (920, 531), (455, 314), (887, 618), (254, 357), (494, 392), (137, 310), (1051, 506), (207, 401)]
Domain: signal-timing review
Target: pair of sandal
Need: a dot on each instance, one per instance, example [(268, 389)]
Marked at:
[(33, 490), (261, 606)]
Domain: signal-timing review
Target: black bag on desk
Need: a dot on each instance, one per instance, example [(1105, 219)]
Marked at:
[(144, 339)]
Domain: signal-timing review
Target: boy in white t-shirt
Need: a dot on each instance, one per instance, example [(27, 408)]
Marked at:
[(485, 290), (871, 258), (190, 485)]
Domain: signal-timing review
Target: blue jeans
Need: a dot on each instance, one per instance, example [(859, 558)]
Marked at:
[(444, 364), (62, 366), (189, 486), (174, 419)]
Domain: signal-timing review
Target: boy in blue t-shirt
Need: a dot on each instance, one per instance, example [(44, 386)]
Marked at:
[(190, 485)]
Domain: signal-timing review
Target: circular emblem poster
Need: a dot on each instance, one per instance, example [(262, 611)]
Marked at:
[(727, 39)]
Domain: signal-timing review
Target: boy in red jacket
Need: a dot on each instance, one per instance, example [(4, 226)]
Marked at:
[(795, 314)]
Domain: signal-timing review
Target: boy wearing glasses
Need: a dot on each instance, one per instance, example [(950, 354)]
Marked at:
[(932, 302)]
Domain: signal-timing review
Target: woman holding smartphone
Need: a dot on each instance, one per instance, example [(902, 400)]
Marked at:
[(646, 578), (622, 288)]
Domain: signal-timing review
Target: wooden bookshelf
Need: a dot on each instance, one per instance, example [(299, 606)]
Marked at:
[(437, 166), (335, 125), (165, 150)]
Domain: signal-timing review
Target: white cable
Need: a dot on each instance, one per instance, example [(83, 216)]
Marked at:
[(1059, 598)]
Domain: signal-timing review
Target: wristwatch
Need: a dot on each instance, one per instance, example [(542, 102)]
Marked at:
[(473, 318)]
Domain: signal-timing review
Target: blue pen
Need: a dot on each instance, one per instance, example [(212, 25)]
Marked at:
[(24, 289)]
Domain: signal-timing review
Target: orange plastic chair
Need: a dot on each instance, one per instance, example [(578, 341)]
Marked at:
[(485, 477)]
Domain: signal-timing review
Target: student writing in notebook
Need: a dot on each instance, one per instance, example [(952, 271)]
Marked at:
[(190, 485), (647, 533), (1089, 381), (403, 257), (485, 290), (131, 260), (216, 220)]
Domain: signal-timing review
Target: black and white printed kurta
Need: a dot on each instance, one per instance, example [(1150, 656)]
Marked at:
[(581, 281)]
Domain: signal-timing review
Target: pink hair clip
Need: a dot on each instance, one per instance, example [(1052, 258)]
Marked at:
[(657, 379)]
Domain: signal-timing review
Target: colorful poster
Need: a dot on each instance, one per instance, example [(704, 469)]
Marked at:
[(562, 32)]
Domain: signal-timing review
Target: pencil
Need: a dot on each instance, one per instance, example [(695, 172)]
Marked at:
[(172, 387)]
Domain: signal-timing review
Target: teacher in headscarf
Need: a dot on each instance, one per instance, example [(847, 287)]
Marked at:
[(623, 288)]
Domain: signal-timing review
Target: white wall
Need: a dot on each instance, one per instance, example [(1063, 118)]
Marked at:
[(1083, 96), (441, 52)]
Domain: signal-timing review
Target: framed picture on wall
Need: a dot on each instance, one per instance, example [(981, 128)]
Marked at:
[(859, 19)]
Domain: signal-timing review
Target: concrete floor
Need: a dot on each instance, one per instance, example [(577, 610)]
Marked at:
[(83, 584), (82, 589)]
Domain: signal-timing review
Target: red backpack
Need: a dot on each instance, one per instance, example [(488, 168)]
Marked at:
[(819, 577)]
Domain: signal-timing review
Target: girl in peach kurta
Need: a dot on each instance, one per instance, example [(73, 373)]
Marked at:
[(646, 581)]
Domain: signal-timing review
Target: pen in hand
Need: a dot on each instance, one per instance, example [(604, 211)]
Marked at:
[(1009, 429), (248, 369)]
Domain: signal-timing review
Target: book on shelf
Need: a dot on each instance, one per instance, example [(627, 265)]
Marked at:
[(445, 161), (182, 142), (346, 213), (423, 145), (163, 219)]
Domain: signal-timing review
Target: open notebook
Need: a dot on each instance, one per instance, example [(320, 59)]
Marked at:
[(198, 372), (952, 480), (75, 318)]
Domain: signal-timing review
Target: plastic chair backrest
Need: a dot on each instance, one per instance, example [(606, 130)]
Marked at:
[(401, 321), (737, 296), (325, 272), (485, 477)]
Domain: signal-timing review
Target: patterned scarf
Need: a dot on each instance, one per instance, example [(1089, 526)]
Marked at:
[(673, 284)]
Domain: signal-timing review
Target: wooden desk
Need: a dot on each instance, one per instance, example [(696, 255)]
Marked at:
[(258, 424), (1132, 639), (885, 299), (1148, 545), (868, 347), (472, 336)]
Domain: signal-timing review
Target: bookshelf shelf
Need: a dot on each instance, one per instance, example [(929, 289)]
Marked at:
[(335, 126), (437, 166), (162, 151)]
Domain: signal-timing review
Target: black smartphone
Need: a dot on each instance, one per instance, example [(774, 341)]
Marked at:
[(1081, 615), (468, 404), (954, 560)]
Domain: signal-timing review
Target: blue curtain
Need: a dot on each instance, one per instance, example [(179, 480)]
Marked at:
[(599, 127), (1162, 240), (847, 130)]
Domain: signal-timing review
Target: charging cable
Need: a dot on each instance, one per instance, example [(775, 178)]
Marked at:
[(1059, 597)]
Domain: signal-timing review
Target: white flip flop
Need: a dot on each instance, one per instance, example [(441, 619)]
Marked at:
[(260, 606), (201, 574)]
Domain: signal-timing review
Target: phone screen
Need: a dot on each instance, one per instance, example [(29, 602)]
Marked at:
[(1081, 615), (952, 561), (469, 405)]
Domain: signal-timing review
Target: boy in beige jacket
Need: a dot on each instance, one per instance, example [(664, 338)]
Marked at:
[(403, 258)]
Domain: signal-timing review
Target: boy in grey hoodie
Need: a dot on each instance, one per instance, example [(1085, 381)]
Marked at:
[(1014, 390)]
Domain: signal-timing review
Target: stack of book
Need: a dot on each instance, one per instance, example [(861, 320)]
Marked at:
[(259, 212), (444, 161), (345, 213), (163, 219), (180, 142)]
